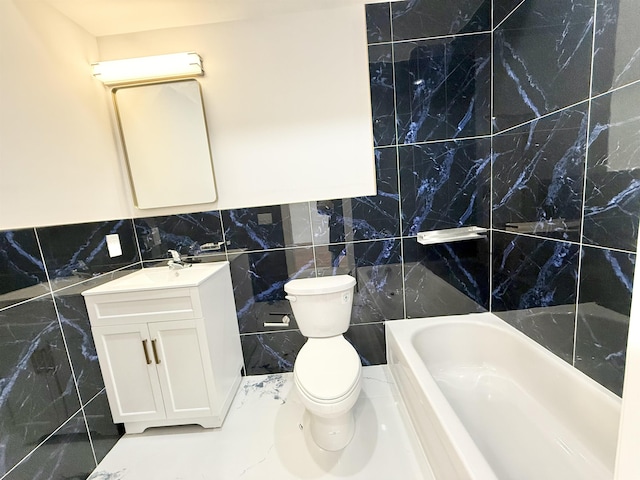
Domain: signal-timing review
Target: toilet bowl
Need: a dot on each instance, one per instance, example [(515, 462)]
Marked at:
[(327, 376), (327, 370)]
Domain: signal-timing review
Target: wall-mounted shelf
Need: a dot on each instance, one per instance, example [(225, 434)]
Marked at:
[(451, 235)]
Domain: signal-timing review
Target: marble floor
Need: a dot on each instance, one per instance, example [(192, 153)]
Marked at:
[(262, 438)]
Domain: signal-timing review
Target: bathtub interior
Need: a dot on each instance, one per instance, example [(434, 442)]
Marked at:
[(527, 412)]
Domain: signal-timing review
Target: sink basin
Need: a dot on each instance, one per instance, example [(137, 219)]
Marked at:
[(159, 278)]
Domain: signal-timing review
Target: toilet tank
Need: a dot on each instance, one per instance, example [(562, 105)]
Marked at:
[(322, 306)]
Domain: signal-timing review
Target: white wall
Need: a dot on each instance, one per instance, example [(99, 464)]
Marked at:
[(58, 160), (287, 103), (286, 99)]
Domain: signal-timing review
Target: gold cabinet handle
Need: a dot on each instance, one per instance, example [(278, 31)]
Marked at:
[(146, 352), (155, 351)]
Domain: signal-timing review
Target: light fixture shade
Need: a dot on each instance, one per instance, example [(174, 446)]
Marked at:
[(157, 67)]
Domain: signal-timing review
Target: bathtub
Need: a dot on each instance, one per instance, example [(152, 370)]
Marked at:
[(486, 402)]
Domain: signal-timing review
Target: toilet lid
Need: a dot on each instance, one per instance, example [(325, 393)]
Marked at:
[(327, 368)]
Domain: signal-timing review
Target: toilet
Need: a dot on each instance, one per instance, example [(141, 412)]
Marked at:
[(327, 370)]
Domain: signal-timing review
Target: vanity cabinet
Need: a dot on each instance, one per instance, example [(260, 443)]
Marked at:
[(170, 352)]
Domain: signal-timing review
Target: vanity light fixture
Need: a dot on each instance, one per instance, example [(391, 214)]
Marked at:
[(157, 67)]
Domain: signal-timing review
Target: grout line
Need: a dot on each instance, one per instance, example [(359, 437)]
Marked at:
[(584, 182), (437, 37), (313, 241), (395, 122), (66, 348), (505, 18), (135, 235), (491, 160)]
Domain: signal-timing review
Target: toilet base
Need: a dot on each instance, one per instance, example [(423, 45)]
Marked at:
[(332, 433)]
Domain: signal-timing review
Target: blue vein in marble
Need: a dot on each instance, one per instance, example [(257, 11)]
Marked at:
[(283, 364), (268, 293), (617, 269), (10, 236), (511, 73), (67, 270)]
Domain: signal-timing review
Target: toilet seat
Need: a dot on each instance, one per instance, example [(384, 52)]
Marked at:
[(327, 369)]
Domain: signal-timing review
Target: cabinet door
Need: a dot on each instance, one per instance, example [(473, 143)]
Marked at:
[(181, 353), (129, 372)]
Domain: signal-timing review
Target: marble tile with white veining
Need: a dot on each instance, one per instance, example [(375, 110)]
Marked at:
[(443, 88), (188, 233), (606, 287), (617, 44), (423, 18), (381, 83), (22, 274), (271, 352), (542, 60), (378, 22), (538, 176), (80, 251), (531, 272), (37, 391), (612, 197), (66, 454), (258, 285), (263, 228), (503, 8), (445, 185), (447, 279), (104, 433), (369, 342), (377, 268)]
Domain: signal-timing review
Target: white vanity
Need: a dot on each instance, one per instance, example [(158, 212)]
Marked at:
[(168, 345)]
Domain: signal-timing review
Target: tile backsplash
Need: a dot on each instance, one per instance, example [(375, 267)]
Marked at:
[(524, 126)]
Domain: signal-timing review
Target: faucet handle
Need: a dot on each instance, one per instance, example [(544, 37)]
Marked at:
[(175, 255)]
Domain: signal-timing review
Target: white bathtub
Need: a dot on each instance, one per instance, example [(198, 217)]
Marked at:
[(488, 403)]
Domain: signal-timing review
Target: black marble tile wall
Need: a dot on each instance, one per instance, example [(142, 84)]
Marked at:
[(48, 364), (606, 285), (541, 60), (538, 175), (565, 176)]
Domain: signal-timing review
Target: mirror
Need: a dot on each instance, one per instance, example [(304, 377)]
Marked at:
[(164, 135)]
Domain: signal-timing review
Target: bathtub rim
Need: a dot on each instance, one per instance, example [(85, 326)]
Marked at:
[(401, 332)]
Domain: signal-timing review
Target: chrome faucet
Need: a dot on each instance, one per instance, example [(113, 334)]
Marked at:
[(176, 261)]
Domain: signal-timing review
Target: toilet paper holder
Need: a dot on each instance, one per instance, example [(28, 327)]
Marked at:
[(285, 321)]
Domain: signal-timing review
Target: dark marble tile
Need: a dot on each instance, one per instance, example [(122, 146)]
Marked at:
[(531, 272), (22, 273), (263, 228), (538, 176), (258, 285), (617, 44), (612, 197), (104, 433), (273, 352), (381, 83), (443, 88), (445, 185), (80, 251), (542, 60), (377, 268), (65, 455), (362, 218), (424, 18), (551, 327), (378, 22), (369, 342), (606, 287), (186, 233), (446, 279), (37, 392), (82, 350), (502, 8)]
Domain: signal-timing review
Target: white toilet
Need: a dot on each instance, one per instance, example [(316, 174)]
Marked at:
[(327, 371)]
